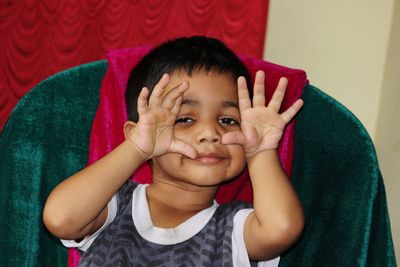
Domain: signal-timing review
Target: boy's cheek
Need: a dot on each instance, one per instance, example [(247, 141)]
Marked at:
[(237, 151), (238, 147)]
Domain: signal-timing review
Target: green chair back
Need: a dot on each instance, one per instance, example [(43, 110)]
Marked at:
[(335, 173)]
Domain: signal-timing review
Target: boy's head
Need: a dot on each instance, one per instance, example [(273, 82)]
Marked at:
[(186, 54)]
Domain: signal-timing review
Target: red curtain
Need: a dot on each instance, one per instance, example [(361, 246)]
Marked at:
[(41, 37)]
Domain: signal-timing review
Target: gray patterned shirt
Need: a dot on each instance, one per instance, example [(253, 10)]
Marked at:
[(120, 243)]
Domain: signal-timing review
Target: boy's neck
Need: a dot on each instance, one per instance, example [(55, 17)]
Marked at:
[(170, 204)]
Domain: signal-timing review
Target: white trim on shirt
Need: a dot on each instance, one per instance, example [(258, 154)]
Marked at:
[(239, 251), (166, 236), (85, 243)]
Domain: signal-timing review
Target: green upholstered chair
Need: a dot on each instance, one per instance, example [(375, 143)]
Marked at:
[(335, 173)]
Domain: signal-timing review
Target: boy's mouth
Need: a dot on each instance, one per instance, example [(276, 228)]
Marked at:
[(209, 158)]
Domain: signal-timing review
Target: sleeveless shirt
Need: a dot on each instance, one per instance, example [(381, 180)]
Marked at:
[(120, 244)]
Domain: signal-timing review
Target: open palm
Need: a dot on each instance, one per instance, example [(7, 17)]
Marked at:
[(261, 126), (154, 132)]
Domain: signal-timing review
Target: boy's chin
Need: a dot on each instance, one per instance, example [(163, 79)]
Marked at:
[(208, 180), (200, 174)]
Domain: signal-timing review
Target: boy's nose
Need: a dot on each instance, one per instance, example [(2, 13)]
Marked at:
[(209, 134)]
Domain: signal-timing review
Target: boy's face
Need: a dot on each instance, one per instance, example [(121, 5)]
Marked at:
[(209, 110)]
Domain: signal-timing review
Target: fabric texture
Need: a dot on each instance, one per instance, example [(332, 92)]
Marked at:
[(335, 173), (63, 34), (337, 177), (120, 244), (44, 141)]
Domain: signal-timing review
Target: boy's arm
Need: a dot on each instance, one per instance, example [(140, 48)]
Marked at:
[(78, 206), (277, 220)]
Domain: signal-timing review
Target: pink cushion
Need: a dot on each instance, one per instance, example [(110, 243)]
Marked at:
[(107, 127)]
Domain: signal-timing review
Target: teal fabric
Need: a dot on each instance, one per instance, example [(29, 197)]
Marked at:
[(44, 141), (335, 173), (337, 177)]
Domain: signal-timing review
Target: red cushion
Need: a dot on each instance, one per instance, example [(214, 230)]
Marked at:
[(107, 127)]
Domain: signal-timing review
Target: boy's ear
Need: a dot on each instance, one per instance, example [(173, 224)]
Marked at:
[(129, 126)]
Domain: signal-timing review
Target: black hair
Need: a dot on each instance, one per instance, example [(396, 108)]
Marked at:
[(187, 54)]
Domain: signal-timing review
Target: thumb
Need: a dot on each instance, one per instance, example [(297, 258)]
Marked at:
[(178, 146), (232, 138)]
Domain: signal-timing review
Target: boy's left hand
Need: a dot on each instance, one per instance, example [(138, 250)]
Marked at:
[(261, 126)]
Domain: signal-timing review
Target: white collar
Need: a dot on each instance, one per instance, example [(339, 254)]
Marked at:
[(146, 229)]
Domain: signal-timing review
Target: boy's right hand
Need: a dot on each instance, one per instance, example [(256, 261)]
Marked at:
[(153, 134)]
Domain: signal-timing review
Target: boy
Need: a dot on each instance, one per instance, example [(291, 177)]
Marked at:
[(198, 128)]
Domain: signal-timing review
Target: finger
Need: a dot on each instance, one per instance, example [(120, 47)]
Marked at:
[(155, 97), (178, 146), (233, 138), (177, 106), (170, 98), (142, 101), (259, 89), (292, 111), (279, 94), (243, 94)]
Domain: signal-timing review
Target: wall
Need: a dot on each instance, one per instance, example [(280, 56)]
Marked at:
[(341, 44), (351, 50), (388, 127)]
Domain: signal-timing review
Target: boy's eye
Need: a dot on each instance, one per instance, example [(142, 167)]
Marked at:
[(184, 120), (228, 121)]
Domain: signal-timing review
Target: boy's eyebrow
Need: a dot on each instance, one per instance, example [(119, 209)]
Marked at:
[(224, 104), (228, 104), (189, 102)]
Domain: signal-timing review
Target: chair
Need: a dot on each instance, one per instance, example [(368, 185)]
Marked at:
[(335, 173)]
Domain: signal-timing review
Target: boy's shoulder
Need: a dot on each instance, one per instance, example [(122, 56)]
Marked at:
[(236, 204), (128, 186), (230, 209), (124, 194)]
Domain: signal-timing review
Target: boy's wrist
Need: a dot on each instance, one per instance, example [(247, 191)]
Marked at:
[(270, 153), (262, 148), (139, 153)]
